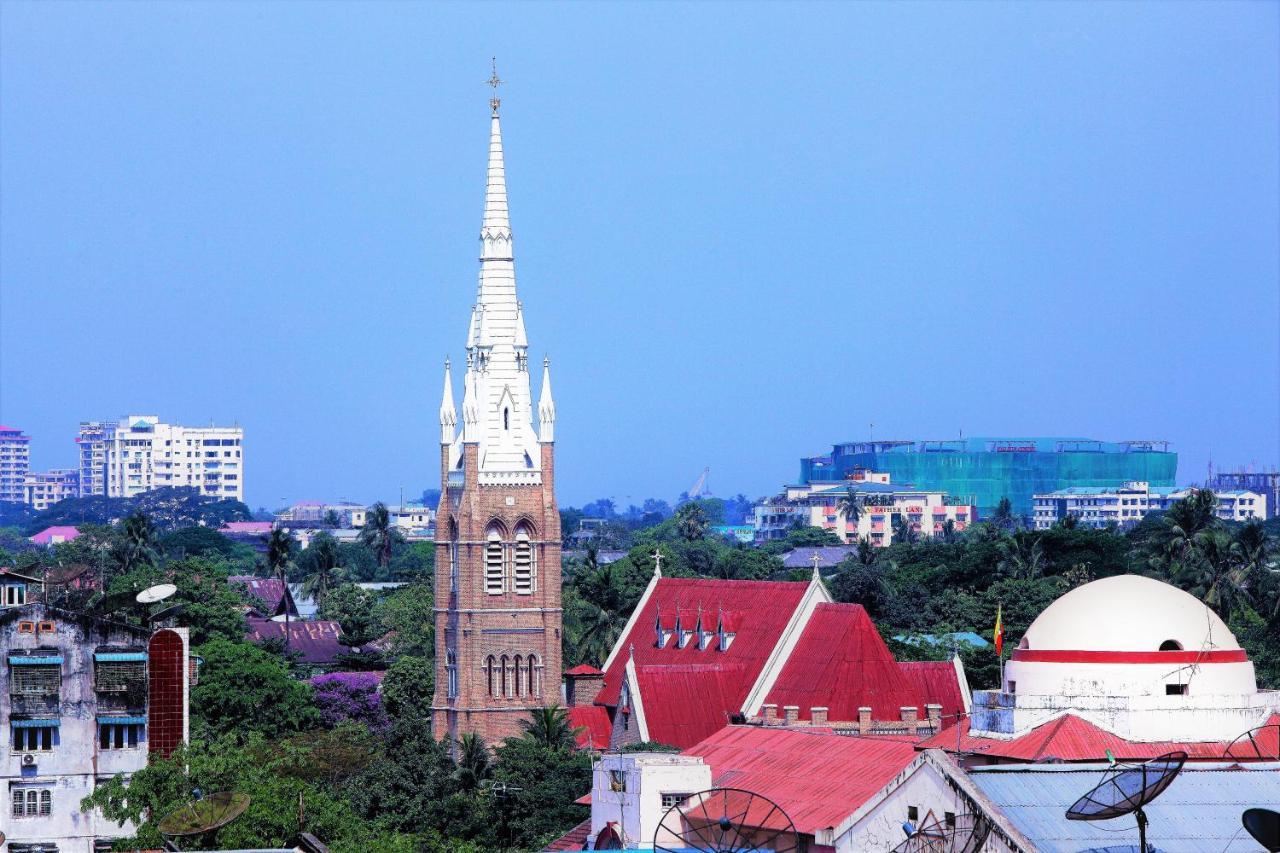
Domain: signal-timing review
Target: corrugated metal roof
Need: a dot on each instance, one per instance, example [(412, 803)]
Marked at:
[(1198, 813), (817, 778), (316, 641), (592, 721), (937, 682), (1070, 738), (841, 663), (685, 703)]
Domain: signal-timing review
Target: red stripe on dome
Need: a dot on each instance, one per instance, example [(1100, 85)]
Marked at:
[(1069, 656)]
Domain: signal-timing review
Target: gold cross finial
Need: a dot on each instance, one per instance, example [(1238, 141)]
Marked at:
[(495, 81)]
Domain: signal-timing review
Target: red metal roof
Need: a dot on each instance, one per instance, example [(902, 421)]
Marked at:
[(817, 778), (700, 687), (316, 641), (841, 663), (594, 725), (1071, 738), (584, 669), (938, 683)]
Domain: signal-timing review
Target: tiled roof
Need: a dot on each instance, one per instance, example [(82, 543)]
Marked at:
[(61, 532), (316, 641), (574, 839), (817, 778), (1071, 738), (593, 722), (938, 683), (763, 609), (841, 663), (1198, 813)]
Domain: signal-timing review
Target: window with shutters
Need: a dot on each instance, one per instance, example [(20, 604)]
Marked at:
[(32, 802), (526, 565), (493, 568)]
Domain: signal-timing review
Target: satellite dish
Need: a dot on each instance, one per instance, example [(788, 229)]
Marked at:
[(726, 820), (1260, 744), (966, 834), (1126, 789), (204, 815), (168, 613), (159, 592), (1264, 826)]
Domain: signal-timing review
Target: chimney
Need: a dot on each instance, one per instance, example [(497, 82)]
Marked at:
[(791, 713), (770, 715), (818, 716), (934, 713), (910, 714)]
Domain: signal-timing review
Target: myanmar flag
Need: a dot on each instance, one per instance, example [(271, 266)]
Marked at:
[(998, 633)]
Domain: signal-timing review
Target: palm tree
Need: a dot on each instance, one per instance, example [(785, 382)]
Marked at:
[(1172, 547), (379, 535), (550, 727), (1021, 555), (691, 522), (866, 551), (949, 531), (279, 552), (137, 546), (848, 510), (473, 762), (904, 532), (1003, 518), (1213, 571), (596, 625), (325, 574)]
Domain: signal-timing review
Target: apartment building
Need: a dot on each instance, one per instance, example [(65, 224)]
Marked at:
[(125, 458), (43, 489), (15, 460), (1126, 506), (881, 510)]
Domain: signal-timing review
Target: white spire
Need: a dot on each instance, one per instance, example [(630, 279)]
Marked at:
[(546, 406), (470, 411), (448, 415)]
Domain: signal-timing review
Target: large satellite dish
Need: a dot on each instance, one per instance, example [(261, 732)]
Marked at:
[(204, 815), (966, 834), (726, 820), (1126, 789), (1264, 826), (159, 592), (1260, 744)]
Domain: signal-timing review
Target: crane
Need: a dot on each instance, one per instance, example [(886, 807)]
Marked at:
[(699, 489)]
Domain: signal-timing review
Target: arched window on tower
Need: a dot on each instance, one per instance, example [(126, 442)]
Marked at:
[(493, 560), (526, 561), (505, 664), (535, 676), (451, 670), (453, 555), (490, 675), (520, 675)]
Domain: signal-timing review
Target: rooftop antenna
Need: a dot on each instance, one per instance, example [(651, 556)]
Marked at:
[(1126, 789), (203, 814), (1264, 826), (726, 820)]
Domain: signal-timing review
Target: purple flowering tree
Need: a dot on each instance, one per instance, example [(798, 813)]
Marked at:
[(342, 696)]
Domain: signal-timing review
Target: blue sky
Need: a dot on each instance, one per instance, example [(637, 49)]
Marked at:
[(743, 232)]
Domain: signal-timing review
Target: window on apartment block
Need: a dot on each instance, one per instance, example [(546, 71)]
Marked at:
[(618, 781), (670, 800), (28, 738), (913, 813), (35, 679), (31, 802), (120, 735)]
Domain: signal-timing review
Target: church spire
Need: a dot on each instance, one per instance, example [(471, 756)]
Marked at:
[(546, 406), (448, 414)]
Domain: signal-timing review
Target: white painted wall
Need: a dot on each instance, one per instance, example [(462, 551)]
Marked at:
[(638, 810)]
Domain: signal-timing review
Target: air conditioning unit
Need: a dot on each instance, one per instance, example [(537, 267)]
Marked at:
[(28, 760)]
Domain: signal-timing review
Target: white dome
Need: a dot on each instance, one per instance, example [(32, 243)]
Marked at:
[(1127, 613)]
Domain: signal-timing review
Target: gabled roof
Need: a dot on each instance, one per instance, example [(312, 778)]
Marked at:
[(270, 593), (938, 682), (685, 703), (841, 663), (60, 533), (766, 607), (1071, 738), (593, 724), (584, 669), (316, 642), (816, 777)]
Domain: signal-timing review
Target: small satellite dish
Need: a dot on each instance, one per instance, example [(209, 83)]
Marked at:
[(1126, 789), (159, 592), (204, 815), (1264, 826), (726, 820), (168, 613)]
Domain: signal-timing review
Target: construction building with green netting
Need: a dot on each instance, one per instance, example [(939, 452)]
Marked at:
[(981, 471)]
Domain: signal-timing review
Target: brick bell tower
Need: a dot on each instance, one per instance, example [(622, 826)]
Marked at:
[(497, 594)]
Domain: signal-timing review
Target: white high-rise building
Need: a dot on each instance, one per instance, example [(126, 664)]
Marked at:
[(15, 456), (123, 459)]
